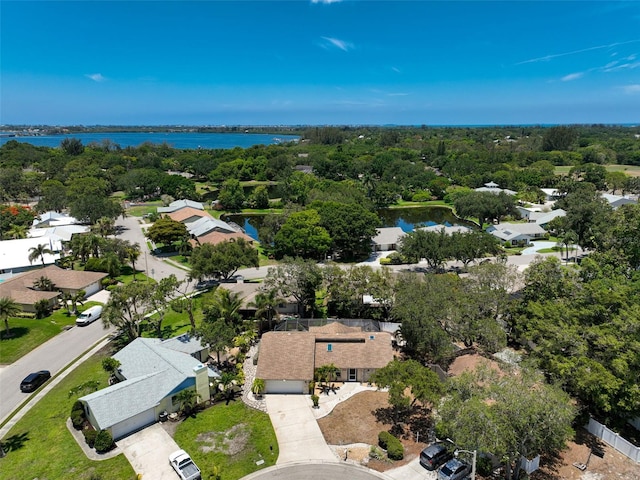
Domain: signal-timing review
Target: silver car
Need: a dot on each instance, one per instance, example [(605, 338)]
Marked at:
[(454, 469)]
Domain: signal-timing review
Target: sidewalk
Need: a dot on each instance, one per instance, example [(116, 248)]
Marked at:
[(328, 402)]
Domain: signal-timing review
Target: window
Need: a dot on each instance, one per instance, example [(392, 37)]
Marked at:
[(329, 347)]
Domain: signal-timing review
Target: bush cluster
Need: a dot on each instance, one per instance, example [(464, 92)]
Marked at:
[(395, 450), (77, 415), (90, 437), (103, 441)]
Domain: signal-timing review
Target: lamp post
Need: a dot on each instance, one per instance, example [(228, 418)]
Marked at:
[(473, 464)]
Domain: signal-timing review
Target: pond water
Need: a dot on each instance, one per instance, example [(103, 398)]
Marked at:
[(405, 218)]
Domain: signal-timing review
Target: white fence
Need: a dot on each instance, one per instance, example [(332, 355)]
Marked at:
[(616, 441)]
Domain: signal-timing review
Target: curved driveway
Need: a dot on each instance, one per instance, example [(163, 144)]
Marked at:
[(317, 471)]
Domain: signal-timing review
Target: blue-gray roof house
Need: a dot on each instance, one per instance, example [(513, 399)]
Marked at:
[(151, 373)]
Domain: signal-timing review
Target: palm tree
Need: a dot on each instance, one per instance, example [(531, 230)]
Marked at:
[(8, 308), (39, 252), (133, 253), (225, 306), (104, 226), (17, 231), (75, 299), (80, 247), (44, 284), (188, 399), (266, 304)]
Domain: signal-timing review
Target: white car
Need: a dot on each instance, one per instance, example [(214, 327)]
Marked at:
[(89, 315), (184, 466)]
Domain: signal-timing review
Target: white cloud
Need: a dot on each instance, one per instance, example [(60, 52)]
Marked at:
[(396, 69), (572, 76), (631, 57), (336, 42), (400, 94), (574, 52), (632, 89), (96, 77), (326, 2)]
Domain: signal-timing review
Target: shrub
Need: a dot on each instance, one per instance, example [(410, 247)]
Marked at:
[(103, 441), (396, 259), (376, 453), (77, 405), (383, 439), (312, 387), (43, 308), (421, 196), (90, 437), (77, 419), (315, 399), (95, 265), (385, 261), (395, 450)]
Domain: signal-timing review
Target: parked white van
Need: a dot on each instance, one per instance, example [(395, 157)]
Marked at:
[(89, 315)]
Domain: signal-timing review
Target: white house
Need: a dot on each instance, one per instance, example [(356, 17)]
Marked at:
[(387, 238), (53, 219), (493, 187), (14, 254), (447, 229), (521, 233), (617, 200), (152, 372)]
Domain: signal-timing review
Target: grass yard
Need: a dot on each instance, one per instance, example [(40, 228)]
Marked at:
[(40, 446), (229, 437), (29, 333), (143, 209), (631, 170)]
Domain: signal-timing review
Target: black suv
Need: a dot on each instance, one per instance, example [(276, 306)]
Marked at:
[(34, 380), (435, 455)]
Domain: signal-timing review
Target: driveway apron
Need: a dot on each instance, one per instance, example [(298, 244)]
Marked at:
[(148, 453), (298, 433)]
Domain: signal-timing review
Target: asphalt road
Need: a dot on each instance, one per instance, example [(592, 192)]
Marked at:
[(62, 349), (53, 355)]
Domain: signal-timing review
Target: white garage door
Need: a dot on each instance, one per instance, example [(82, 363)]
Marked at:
[(132, 424), (285, 386)]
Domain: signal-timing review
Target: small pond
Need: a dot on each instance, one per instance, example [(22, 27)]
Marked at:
[(405, 218)]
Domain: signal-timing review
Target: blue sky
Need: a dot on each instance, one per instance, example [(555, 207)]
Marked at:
[(319, 62)]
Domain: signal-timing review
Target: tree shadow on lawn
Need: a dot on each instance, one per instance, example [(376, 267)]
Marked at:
[(15, 442), (408, 422), (14, 333)]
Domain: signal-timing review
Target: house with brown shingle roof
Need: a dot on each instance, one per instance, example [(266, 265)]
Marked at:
[(20, 287), (287, 360), (188, 215)]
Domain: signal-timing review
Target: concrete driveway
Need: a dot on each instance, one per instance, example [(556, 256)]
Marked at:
[(148, 453), (299, 436)]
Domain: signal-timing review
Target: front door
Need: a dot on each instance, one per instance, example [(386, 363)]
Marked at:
[(352, 375)]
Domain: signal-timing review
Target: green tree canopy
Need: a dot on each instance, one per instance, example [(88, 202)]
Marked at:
[(166, 231), (302, 235), (223, 259)]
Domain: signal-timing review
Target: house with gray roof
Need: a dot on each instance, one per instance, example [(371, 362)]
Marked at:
[(387, 238), (178, 204), (446, 229), (521, 233), (493, 187), (152, 373), (617, 200)]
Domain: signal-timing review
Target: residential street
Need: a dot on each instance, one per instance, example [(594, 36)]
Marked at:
[(62, 349), (53, 355)]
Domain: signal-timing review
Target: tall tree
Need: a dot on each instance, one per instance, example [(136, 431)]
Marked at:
[(8, 308), (507, 415), (166, 231), (302, 235), (297, 278), (223, 259), (127, 307), (266, 303), (38, 252)]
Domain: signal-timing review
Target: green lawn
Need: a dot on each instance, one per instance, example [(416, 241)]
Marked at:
[(631, 170), (29, 333), (237, 435), (140, 210), (40, 446)]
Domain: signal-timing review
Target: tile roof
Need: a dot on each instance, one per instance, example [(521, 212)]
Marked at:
[(187, 213), (295, 355), (286, 356), (20, 287), (218, 237)]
